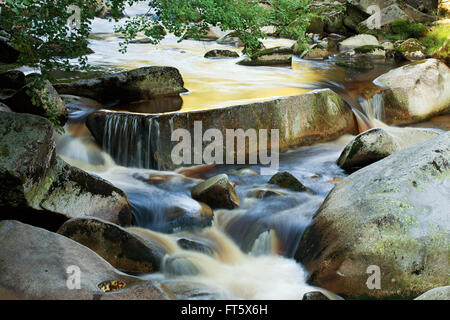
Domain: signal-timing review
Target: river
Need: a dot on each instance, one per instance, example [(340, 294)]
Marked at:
[(252, 246)]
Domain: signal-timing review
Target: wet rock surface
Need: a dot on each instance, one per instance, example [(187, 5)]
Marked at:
[(391, 214)]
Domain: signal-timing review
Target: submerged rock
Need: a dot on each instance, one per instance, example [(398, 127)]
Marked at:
[(288, 181), (376, 144), (193, 245), (125, 251), (221, 54), (41, 189), (217, 192), (178, 218), (44, 265), (139, 84), (269, 57), (44, 102), (415, 92), (392, 214), (263, 193)]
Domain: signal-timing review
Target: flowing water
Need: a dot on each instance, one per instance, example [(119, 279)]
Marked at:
[(252, 246)]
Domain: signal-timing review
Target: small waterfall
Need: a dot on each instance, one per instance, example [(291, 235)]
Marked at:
[(374, 108), (132, 141)]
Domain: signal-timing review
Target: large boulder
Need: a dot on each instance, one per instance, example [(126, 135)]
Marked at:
[(217, 192), (378, 143), (39, 188), (38, 264), (391, 215), (40, 99), (269, 57), (139, 84), (305, 119), (76, 193), (415, 92), (124, 250), (396, 11)]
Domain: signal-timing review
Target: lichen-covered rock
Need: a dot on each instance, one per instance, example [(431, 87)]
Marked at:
[(76, 193), (332, 14), (27, 159), (41, 100), (221, 54), (123, 249), (354, 16), (370, 51), (316, 52), (392, 214), (288, 181), (411, 50), (376, 144), (39, 188), (217, 192), (38, 264), (415, 92), (139, 84), (269, 57)]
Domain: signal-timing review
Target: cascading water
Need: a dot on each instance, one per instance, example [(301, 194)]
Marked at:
[(373, 107)]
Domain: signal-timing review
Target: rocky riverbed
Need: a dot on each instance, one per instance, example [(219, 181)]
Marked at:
[(363, 175)]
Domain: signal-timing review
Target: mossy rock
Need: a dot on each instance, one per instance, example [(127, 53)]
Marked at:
[(288, 181), (221, 54), (125, 250), (392, 214)]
